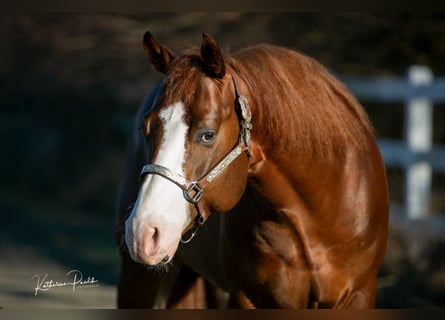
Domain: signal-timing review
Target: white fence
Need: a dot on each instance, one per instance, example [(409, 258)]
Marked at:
[(416, 154)]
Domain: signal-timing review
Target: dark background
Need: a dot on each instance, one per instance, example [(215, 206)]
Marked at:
[(71, 83)]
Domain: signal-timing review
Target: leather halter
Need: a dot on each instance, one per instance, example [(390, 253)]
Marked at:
[(194, 189)]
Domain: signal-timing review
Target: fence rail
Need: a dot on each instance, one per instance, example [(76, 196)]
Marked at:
[(416, 154), (393, 89)]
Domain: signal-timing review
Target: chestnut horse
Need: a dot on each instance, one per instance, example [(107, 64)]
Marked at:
[(257, 173)]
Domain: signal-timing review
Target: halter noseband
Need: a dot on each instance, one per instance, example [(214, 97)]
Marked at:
[(194, 189)]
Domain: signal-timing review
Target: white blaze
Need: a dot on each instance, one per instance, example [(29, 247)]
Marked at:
[(160, 202)]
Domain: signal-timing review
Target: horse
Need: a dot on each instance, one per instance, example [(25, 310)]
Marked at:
[(253, 180)]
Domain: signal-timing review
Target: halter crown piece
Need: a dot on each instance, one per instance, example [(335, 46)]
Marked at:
[(194, 189)]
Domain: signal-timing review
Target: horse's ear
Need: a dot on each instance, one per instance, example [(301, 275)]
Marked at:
[(160, 56), (212, 57)]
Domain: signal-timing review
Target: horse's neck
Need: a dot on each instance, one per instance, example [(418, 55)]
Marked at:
[(311, 188), (273, 187), (297, 197), (279, 184)]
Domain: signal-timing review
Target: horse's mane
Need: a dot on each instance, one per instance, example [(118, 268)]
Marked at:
[(299, 101), (296, 100)]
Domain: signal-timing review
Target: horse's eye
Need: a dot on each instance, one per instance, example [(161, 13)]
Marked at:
[(207, 137)]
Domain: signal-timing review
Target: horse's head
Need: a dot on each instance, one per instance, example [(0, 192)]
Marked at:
[(196, 136)]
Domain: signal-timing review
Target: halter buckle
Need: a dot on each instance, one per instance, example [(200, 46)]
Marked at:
[(194, 193)]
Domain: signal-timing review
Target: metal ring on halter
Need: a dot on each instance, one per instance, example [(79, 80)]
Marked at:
[(195, 230), (199, 221)]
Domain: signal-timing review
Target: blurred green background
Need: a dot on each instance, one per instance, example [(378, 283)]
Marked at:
[(71, 83)]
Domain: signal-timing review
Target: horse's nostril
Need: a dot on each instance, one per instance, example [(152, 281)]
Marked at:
[(155, 235)]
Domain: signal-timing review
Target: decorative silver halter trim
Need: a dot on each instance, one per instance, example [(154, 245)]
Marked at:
[(174, 177), (224, 163)]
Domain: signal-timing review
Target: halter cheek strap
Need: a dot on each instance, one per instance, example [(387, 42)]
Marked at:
[(193, 189)]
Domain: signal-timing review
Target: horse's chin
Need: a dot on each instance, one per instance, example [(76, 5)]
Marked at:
[(161, 267), (157, 260)]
